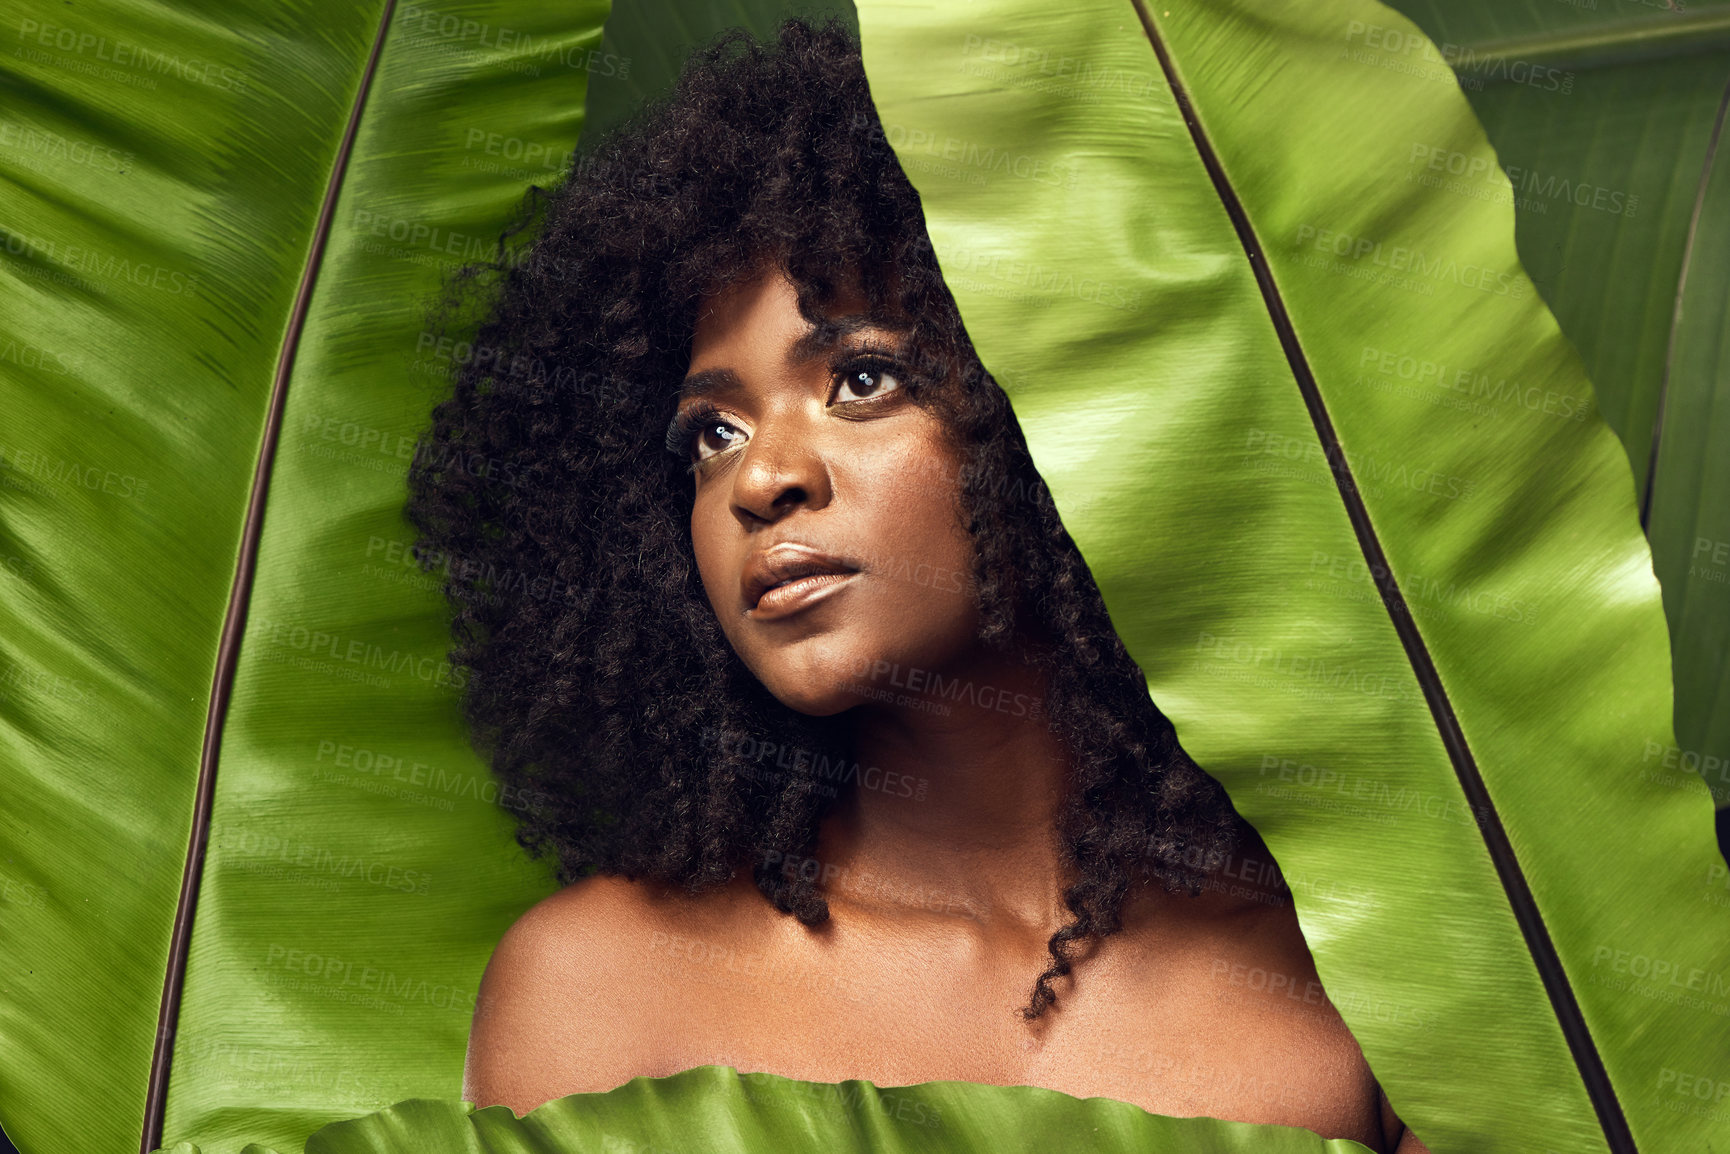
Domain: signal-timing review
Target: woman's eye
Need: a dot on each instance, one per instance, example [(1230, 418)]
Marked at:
[(715, 436), (861, 383)]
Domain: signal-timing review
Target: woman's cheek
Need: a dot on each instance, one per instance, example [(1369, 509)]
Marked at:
[(710, 550)]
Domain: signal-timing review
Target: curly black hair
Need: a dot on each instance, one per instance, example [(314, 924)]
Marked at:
[(600, 681)]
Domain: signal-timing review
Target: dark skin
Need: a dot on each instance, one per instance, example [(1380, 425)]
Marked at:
[(817, 474)]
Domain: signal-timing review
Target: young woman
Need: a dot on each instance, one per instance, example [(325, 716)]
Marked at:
[(823, 716)]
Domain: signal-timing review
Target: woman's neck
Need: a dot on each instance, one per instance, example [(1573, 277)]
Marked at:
[(959, 785)]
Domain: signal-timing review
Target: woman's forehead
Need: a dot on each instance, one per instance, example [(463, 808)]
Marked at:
[(759, 315)]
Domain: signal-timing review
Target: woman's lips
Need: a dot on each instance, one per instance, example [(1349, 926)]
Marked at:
[(789, 577), (785, 600)]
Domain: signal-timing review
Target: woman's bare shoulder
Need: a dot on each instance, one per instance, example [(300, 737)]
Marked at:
[(565, 1005)]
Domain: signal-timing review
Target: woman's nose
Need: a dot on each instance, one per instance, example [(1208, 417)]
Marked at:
[(781, 470)]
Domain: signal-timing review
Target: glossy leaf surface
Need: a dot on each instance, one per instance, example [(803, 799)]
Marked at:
[(1165, 401), (1609, 119), (717, 1109), (166, 174), (1689, 522), (166, 169)]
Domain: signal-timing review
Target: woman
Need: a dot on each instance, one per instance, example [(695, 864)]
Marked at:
[(765, 602)]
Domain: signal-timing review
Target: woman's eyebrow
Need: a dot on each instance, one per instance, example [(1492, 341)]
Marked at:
[(824, 337), (813, 345), (709, 382)]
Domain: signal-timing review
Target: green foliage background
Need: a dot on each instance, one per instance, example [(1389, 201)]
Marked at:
[(162, 175), (1607, 117)]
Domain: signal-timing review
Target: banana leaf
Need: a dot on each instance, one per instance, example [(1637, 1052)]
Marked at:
[(1412, 626), (223, 682), (701, 1109), (1608, 121), (251, 870)]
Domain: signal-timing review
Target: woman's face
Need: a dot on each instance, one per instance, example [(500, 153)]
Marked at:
[(825, 521)]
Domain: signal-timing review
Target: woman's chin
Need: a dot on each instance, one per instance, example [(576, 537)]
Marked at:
[(822, 702), (820, 688)]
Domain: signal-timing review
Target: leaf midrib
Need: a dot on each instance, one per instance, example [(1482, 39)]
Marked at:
[(1541, 948), (234, 619), (1619, 42)]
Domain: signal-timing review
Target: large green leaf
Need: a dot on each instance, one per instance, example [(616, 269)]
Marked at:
[(720, 1111), (166, 262), (1453, 780), (1607, 118), (1689, 521)]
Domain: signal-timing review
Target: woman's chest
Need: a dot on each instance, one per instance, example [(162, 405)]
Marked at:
[(1182, 1032)]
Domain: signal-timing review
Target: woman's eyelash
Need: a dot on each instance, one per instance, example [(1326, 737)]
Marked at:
[(868, 349), (871, 358), (684, 427)]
